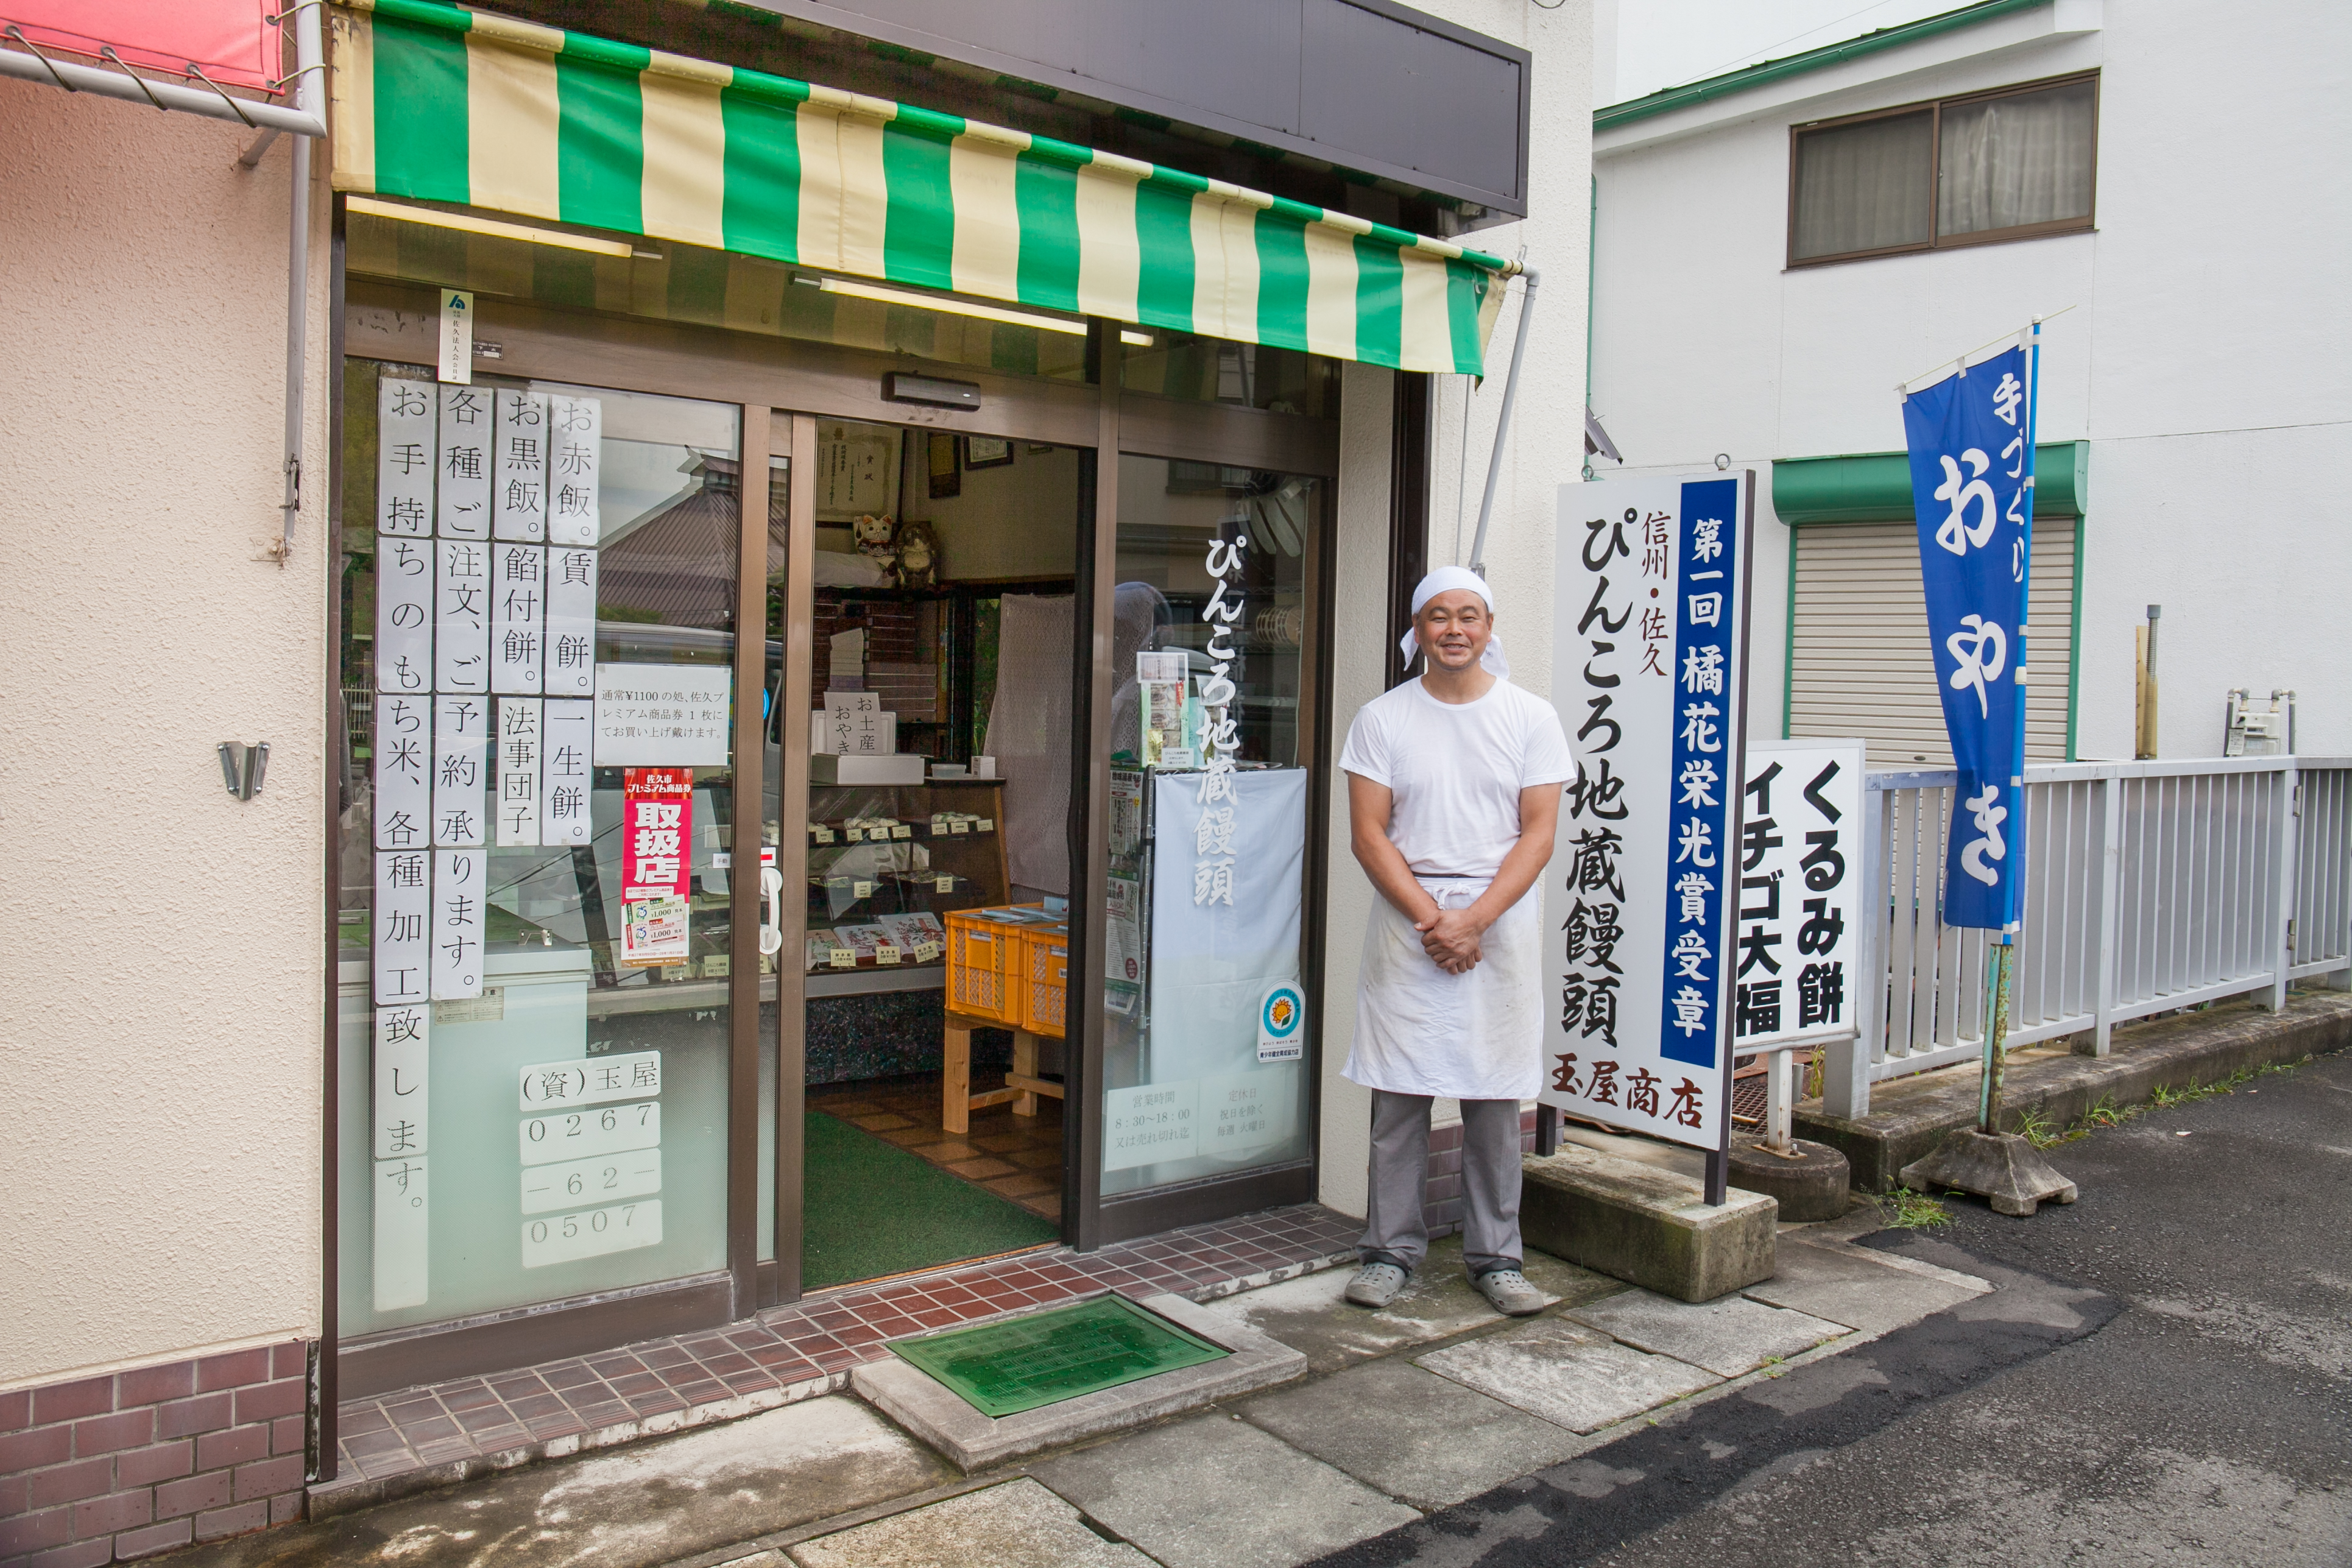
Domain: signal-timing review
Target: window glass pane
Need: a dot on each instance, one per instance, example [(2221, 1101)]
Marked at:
[(1212, 370), (1205, 1069), (1865, 186), (538, 631), (670, 281), (2023, 159)]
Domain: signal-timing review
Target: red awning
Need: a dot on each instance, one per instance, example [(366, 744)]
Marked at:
[(229, 41)]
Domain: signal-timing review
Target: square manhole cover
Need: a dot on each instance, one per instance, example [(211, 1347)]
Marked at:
[(1003, 1369)]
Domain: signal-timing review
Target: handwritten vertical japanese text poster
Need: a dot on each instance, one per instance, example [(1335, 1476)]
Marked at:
[(1649, 638)]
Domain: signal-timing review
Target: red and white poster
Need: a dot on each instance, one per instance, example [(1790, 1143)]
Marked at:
[(657, 861)]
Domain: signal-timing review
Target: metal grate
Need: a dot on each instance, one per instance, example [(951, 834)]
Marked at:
[(1003, 1369)]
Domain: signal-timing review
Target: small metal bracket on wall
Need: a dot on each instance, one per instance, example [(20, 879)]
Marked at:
[(242, 767)]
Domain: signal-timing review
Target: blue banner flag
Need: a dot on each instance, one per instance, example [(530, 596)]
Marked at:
[(1971, 444)]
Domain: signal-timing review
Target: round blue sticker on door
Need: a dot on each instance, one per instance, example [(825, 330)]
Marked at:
[(1281, 1018)]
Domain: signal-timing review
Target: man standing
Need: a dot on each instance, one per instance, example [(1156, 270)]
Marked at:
[(1452, 792)]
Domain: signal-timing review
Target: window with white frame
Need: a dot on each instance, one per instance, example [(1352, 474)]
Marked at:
[(2015, 163)]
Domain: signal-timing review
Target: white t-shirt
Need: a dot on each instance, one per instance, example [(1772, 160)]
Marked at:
[(1456, 770)]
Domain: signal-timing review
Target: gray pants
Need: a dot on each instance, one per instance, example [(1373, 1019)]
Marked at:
[(1394, 1231)]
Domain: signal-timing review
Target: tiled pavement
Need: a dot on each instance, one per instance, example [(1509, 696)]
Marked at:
[(401, 1442)]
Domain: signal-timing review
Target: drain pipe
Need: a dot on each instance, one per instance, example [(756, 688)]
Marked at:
[(1503, 424)]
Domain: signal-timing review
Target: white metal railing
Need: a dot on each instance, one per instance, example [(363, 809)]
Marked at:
[(2148, 886)]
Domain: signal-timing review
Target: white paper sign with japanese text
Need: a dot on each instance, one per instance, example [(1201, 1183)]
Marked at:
[(464, 511), (518, 757), (1797, 932), (571, 635), (1649, 637), (402, 1057), (575, 433), (461, 615), (565, 773), (663, 714), (518, 617), (404, 914), (518, 489), (459, 895), (404, 615), (406, 458), (461, 762), (404, 772)]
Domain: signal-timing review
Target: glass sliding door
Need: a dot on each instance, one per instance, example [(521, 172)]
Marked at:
[(537, 939), (1206, 1067)]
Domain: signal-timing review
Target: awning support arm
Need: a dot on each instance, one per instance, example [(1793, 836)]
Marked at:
[(1503, 424)]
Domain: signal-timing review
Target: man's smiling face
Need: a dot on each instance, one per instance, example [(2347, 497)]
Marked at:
[(1453, 627)]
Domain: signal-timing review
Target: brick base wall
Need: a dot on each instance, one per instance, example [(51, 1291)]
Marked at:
[(1440, 1201), (105, 1469)]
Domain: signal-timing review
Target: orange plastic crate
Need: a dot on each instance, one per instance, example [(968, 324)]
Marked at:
[(1045, 968), (985, 965)]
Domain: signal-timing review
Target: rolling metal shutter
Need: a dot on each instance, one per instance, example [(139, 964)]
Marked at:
[(1859, 661)]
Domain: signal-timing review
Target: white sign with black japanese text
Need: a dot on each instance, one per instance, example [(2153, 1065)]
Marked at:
[(519, 492), (1797, 926), (461, 762), (518, 617), (663, 714), (1649, 638), (575, 430), (404, 615), (404, 910), (464, 472), (461, 615), (406, 458), (518, 757), (404, 772), (566, 772), (571, 635), (459, 899), (402, 1057)]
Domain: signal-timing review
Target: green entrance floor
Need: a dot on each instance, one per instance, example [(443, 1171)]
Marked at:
[(874, 1210)]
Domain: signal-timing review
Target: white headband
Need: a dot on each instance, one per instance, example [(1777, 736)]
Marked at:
[(1446, 580)]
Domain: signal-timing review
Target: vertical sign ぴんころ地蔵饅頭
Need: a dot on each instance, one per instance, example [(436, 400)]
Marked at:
[(1972, 487), (1649, 640)]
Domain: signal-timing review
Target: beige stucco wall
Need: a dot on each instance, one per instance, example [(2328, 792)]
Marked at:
[(160, 1012), (1545, 449)]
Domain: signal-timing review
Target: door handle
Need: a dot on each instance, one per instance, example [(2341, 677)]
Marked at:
[(771, 929)]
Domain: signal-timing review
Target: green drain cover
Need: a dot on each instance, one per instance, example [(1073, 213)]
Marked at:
[(1003, 1369)]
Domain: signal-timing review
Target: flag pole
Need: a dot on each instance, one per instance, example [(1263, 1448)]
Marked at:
[(2002, 980)]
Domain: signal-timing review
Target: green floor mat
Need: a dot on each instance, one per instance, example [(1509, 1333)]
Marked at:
[(1003, 1369), (873, 1209)]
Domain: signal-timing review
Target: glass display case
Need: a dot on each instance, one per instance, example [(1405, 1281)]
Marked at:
[(888, 864)]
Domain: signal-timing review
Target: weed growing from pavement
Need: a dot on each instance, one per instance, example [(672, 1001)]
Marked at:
[(1904, 1209), (2105, 1112)]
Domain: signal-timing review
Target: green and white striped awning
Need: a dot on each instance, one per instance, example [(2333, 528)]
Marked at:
[(445, 105)]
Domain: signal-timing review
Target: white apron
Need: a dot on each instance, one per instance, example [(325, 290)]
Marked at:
[(1475, 1036)]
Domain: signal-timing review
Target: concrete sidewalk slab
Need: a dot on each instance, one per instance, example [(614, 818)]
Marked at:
[(1847, 1285), (651, 1502), (1728, 1337), (1216, 1492), (1311, 1315), (1017, 1525), (941, 1417), (1569, 1376), (1415, 1435)]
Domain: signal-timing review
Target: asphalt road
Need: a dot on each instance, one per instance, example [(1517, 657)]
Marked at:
[(2165, 1377)]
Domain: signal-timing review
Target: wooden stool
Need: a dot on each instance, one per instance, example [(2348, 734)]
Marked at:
[(1021, 1085)]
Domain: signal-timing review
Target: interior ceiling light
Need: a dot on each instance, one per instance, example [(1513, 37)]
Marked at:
[(402, 213), (888, 296)]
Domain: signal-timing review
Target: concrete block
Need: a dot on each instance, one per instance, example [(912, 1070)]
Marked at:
[(939, 1417), (1415, 1435), (1728, 1337), (1216, 1492), (1810, 1183), (1649, 1227), (1567, 1374)]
